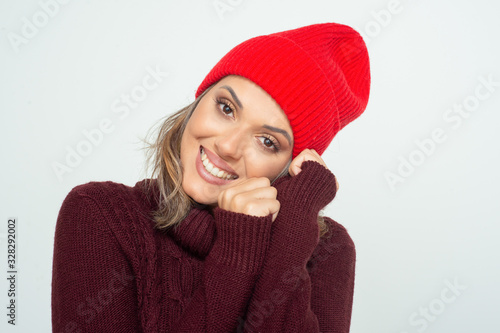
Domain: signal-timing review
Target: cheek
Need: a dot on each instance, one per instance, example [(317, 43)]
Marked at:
[(266, 167), (202, 123), (186, 143)]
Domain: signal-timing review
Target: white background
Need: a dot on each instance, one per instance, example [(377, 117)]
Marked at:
[(437, 225)]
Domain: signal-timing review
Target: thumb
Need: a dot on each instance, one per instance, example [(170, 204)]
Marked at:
[(275, 215)]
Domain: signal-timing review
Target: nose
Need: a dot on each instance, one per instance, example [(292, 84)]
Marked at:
[(230, 144)]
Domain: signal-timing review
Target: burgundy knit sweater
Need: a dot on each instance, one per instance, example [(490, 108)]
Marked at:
[(217, 271)]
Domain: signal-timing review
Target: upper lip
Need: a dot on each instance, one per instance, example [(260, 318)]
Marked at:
[(218, 162)]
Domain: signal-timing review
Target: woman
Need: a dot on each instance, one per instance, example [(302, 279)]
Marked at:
[(228, 236)]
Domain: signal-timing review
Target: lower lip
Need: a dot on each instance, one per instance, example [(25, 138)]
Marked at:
[(207, 176)]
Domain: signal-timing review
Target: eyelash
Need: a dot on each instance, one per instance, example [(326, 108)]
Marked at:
[(276, 146), (224, 102), (221, 101)]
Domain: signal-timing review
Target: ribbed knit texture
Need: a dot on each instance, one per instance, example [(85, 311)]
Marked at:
[(318, 74), (220, 272)]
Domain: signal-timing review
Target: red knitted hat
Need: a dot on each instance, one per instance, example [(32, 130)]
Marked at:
[(318, 74)]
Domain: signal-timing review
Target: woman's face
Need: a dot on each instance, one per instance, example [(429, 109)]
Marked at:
[(236, 132)]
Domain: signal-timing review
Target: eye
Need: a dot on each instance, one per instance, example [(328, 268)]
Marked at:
[(269, 143), (226, 109), (224, 106)]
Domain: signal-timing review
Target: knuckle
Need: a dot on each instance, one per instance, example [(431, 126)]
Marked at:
[(250, 206), (252, 209), (223, 197), (264, 181), (238, 200), (273, 191), (228, 192)]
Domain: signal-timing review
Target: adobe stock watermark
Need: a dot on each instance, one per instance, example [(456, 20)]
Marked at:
[(31, 26), (90, 309), (380, 20), (291, 279), (370, 30), (94, 137), (453, 117), (424, 316), (223, 6)]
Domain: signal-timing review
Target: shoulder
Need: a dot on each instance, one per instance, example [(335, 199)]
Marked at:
[(111, 197), (338, 232), (103, 191), (334, 258), (336, 241), (107, 207)]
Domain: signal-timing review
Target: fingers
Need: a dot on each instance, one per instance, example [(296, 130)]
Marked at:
[(246, 185), (305, 155), (253, 196), (249, 199), (262, 207)]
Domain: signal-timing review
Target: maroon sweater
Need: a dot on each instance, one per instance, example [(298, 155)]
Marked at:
[(216, 272)]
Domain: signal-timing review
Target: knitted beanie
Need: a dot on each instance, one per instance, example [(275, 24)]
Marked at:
[(318, 74)]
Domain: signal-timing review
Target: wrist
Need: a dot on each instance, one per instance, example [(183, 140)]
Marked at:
[(242, 240)]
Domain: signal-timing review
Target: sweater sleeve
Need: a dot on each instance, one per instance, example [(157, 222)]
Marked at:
[(230, 271), (306, 284), (331, 270), (93, 287)]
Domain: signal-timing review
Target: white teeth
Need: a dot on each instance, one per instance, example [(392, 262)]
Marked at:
[(214, 170)]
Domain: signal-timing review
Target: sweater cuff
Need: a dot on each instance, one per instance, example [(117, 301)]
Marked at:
[(313, 188), (241, 240)]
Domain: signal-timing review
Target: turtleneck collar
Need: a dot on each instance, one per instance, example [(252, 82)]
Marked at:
[(195, 233)]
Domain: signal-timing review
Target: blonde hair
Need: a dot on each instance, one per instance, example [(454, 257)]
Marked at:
[(164, 156)]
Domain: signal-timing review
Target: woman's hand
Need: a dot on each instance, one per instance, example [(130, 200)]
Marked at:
[(306, 155), (254, 196)]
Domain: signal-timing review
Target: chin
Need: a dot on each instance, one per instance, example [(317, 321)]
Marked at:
[(199, 194), (203, 201)]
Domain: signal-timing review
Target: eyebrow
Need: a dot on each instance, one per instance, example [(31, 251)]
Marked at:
[(279, 130), (233, 94), (269, 127)]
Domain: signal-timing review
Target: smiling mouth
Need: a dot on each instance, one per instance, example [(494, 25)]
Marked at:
[(213, 170)]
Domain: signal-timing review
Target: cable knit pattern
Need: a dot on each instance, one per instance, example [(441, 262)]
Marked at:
[(216, 272)]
